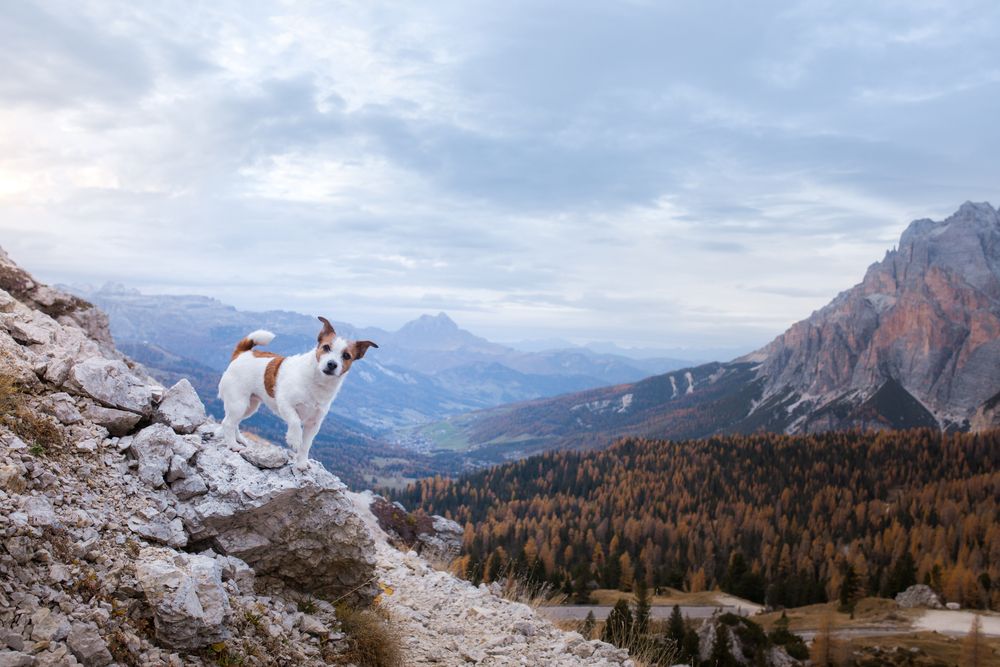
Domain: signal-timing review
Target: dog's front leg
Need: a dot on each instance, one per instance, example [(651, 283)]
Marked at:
[(293, 437), (309, 430)]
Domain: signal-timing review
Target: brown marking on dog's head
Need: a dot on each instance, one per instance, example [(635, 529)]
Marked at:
[(354, 351), (324, 341), (271, 373)]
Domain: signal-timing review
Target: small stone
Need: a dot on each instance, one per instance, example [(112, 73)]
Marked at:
[(265, 456), (48, 626), (88, 646), (189, 487), (112, 383), (118, 422), (17, 659), (181, 409), (39, 511), (159, 529), (313, 626)]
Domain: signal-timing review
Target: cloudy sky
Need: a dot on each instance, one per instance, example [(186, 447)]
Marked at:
[(658, 174)]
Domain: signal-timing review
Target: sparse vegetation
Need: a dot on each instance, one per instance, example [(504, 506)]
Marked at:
[(39, 432), (373, 642)]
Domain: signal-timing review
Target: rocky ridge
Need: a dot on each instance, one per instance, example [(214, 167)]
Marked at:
[(129, 535), (916, 344)]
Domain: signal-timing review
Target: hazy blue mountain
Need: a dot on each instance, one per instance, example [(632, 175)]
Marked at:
[(429, 369)]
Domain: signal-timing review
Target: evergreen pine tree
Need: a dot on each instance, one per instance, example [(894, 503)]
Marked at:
[(721, 655), (618, 627), (675, 626)]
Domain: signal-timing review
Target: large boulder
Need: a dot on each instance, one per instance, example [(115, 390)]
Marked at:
[(299, 527), (919, 595), (190, 606), (181, 409), (112, 383)]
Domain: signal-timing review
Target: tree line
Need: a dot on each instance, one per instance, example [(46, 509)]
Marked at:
[(782, 520)]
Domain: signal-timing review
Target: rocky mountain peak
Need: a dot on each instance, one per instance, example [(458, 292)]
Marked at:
[(926, 318)]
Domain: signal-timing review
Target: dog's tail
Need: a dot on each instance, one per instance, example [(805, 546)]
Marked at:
[(259, 337)]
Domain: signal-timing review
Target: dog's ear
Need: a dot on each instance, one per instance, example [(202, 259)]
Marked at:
[(361, 346), (327, 331)]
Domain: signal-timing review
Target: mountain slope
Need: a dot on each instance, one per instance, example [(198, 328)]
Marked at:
[(915, 344), (428, 369)]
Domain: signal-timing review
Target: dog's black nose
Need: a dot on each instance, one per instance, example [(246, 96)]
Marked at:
[(331, 365)]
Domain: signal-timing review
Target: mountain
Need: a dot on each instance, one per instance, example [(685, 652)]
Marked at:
[(427, 370), (915, 344)]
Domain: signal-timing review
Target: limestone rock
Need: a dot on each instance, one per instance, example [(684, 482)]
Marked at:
[(88, 646), (919, 595), (61, 406), (265, 456), (444, 543), (299, 527), (48, 626), (111, 383), (190, 606), (17, 659), (181, 409), (155, 447), (118, 422), (159, 529)]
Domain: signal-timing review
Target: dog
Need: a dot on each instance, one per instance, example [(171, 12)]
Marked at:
[(299, 389)]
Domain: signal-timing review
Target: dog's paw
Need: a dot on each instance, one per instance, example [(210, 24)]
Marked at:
[(235, 446), (301, 466)]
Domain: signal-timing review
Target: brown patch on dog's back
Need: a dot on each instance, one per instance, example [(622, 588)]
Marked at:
[(271, 374), (261, 354)]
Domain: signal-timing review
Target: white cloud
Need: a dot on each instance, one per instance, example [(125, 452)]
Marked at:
[(644, 173)]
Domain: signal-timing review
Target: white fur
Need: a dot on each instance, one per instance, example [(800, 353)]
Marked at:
[(302, 393)]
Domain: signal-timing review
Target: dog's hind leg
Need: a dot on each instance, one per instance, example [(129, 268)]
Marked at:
[(252, 408), (236, 408)]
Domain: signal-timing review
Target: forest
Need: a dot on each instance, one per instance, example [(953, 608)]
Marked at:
[(783, 520)]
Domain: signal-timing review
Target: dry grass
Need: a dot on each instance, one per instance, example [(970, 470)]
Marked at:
[(937, 646), (373, 640), (868, 612), (39, 432)]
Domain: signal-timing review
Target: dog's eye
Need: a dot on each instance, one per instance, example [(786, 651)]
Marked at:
[(327, 348), (345, 356)]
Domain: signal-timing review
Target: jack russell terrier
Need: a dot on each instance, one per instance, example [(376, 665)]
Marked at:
[(299, 389)]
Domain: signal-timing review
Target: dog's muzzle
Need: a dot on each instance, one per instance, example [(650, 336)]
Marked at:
[(330, 368)]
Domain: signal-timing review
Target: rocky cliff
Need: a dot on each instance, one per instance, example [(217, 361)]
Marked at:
[(129, 535), (924, 322), (915, 344)]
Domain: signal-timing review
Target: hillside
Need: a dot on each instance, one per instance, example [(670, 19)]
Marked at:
[(773, 518), (915, 344), (130, 535)]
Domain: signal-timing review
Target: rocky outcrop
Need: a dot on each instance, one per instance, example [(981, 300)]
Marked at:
[(181, 409), (925, 319), (298, 527), (434, 537), (190, 606), (919, 596)]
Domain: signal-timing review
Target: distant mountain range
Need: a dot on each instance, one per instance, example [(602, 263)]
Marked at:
[(429, 369), (916, 343)]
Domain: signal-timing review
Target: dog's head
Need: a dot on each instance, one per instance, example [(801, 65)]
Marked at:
[(334, 355)]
